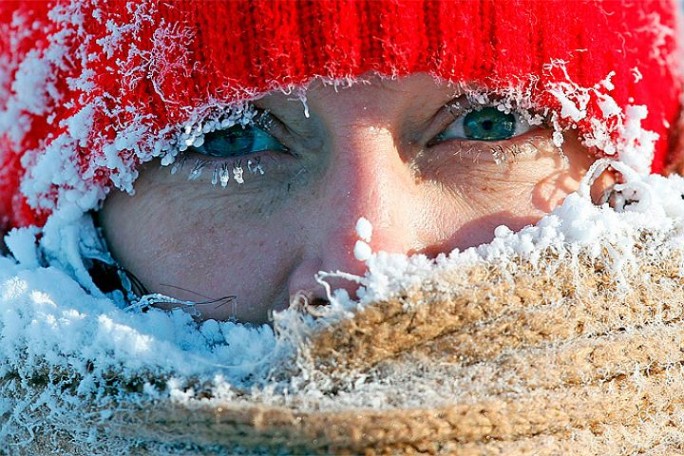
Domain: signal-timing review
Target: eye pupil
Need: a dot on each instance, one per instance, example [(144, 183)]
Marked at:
[(488, 124), (238, 138)]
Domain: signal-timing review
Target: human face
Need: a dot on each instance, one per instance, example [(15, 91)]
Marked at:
[(387, 150)]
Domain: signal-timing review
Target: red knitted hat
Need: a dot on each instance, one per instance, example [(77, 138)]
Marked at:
[(89, 90)]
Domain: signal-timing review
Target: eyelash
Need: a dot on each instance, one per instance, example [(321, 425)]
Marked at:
[(503, 153), (221, 170)]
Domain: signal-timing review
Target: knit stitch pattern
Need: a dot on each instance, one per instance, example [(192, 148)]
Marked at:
[(515, 358), (90, 90)]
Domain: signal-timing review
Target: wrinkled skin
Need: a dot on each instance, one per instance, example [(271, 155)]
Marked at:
[(368, 150)]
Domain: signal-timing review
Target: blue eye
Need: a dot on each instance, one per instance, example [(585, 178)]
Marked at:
[(238, 141), (486, 124)]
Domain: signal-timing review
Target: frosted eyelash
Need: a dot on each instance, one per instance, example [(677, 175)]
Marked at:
[(503, 154), (255, 167), (506, 153), (196, 171), (237, 173), (221, 172), (223, 175)]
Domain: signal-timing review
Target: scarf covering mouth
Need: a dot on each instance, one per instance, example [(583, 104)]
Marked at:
[(563, 338)]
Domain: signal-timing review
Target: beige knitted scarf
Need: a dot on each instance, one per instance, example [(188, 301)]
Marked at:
[(574, 353)]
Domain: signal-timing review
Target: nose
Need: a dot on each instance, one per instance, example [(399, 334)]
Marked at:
[(366, 177)]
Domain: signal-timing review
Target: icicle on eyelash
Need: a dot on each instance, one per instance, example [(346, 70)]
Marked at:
[(505, 154), (255, 166), (501, 154), (224, 175), (196, 171), (221, 172), (237, 173)]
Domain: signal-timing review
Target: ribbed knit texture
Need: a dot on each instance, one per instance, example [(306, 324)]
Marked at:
[(151, 64), (509, 358)]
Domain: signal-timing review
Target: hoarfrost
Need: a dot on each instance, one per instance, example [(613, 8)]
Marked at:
[(364, 229), (53, 323)]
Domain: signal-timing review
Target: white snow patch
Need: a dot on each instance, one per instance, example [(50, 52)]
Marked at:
[(362, 251), (50, 322), (570, 109), (364, 229)]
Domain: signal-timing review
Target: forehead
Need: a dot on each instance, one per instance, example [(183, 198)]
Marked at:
[(365, 91)]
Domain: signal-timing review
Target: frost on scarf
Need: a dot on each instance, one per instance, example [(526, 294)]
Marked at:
[(72, 361)]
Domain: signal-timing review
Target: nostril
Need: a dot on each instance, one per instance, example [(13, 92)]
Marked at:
[(304, 299), (431, 251), (309, 303), (318, 302)]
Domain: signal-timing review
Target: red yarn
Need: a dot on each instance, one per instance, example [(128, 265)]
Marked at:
[(175, 56)]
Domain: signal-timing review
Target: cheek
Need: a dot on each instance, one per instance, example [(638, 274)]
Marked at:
[(516, 194), (199, 246)]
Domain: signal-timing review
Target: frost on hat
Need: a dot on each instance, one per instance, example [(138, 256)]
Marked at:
[(89, 90)]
